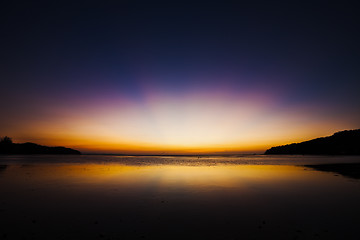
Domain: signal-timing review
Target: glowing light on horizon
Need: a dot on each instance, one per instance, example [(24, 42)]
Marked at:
[(195, 122)]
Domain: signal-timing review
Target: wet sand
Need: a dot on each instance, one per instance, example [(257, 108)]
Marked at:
[(351, 170), (174, 201)]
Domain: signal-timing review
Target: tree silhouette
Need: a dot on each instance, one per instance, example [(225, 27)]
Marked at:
[(6, 140)]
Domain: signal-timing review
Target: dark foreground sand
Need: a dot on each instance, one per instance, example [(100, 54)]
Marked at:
[(351, 170), (120, 200)]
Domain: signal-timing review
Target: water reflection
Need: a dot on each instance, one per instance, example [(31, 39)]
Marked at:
[(96, 201), (226, 176)]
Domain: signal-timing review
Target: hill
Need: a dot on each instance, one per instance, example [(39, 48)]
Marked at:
[(8, 147), (340, 143)]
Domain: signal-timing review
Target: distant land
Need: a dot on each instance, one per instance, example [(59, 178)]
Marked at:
[(8, 147), (341, 143)]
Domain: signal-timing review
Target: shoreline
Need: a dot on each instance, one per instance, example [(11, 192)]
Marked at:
[(351, 170)]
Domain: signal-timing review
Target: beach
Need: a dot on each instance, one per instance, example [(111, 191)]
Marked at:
[(179, 197)]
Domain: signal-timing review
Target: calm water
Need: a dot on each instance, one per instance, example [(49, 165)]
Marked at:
[(110, 197)]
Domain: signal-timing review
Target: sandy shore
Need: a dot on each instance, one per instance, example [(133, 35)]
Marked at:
[(192, 199), (351, 170)]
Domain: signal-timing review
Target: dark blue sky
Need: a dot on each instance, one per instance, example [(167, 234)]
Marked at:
[(315, 43)]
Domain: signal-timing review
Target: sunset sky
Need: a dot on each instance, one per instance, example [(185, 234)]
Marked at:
[(178, 77)]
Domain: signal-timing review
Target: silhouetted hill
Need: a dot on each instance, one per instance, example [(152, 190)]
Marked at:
[(8, 147), (341, 143)]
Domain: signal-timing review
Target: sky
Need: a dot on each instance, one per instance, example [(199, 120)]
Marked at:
[(178, 77)]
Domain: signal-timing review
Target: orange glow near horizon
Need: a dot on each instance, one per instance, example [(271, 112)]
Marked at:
[(161, 124)]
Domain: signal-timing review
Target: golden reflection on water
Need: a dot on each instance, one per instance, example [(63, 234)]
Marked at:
[(225, 176), (121, 201)]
